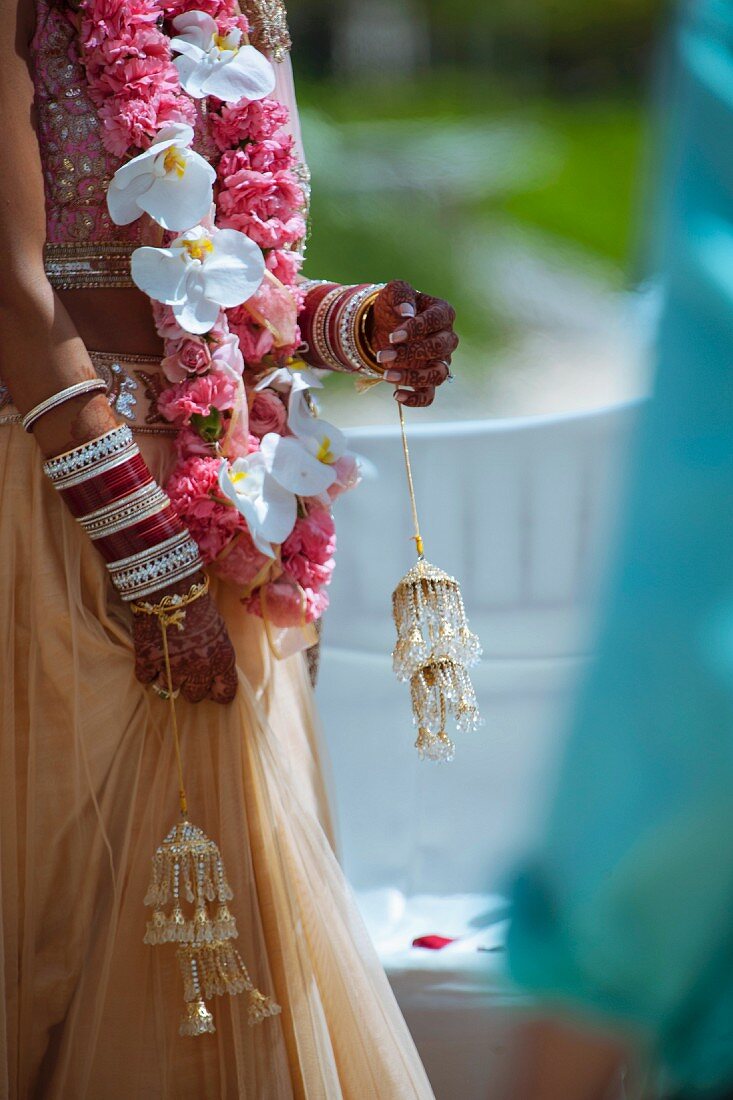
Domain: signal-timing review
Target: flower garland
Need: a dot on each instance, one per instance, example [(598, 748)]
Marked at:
[(254, 477)]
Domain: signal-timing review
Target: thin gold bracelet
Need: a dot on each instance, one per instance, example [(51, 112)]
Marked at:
[(171, 611)]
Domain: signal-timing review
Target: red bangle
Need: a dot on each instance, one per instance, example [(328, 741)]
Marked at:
[(106, 488), (333, 321), (306, 319), (141, 536)]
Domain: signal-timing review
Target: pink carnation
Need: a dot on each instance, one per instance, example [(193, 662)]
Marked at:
[(264, 205), (140, 78), (179, 403), (188, 442), (307, 554), (112, 19), (136, 42), (255, 121), (285, 265), (267, 414), (313, 535), (214, 8), (270, 155), (133, 122), (194, 491)]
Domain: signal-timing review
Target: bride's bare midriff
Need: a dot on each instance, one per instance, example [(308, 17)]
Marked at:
[(117, 320)]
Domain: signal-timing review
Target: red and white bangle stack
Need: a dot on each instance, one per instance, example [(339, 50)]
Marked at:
[(111, 492), (334, 327)]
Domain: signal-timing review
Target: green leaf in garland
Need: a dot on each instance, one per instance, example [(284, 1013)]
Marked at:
[(210, 427)]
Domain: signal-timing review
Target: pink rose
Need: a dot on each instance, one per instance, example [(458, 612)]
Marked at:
[(165, 323), (186, 357), (285, 603), (267, 414)]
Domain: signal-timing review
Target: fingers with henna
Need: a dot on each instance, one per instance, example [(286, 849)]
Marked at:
[(416, 399), (433, 373), (195, 689), (438, 318), (440, 345), (401, 297)]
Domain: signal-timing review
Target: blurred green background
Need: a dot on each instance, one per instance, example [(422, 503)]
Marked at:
[(489, 154)]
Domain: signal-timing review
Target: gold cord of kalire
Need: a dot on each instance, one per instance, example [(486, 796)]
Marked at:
[(435, 646), (188, 890)]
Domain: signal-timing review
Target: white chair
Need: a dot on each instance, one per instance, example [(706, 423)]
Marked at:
[(520, 513)]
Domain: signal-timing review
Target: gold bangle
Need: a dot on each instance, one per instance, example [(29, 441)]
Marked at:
[(362, 341), (171, 611)]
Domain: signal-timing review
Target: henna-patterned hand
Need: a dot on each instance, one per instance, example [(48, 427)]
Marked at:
[(203, 664), (414, 339)]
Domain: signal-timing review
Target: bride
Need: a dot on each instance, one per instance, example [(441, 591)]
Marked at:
[(158, 439)]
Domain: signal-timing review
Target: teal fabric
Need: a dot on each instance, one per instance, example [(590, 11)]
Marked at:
[(627, 908)]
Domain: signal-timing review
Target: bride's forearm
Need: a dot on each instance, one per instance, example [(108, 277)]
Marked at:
[(41, 354)]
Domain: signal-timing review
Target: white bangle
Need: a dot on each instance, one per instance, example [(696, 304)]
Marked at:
[(89, 385), (149, 570)]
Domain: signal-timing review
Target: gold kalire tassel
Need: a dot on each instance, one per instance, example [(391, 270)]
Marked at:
[(189, 891), (435, 646)]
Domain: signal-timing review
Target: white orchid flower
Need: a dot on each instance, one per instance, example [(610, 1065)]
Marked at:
[(297, 377), (201, 272), (269, 510), (214, 64), (169, 181), (300, 466)]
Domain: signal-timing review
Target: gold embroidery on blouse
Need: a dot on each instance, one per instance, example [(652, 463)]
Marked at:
[(268, 22), (78, 265)]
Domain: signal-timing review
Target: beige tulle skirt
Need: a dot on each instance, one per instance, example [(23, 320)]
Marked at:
[(88, 791)]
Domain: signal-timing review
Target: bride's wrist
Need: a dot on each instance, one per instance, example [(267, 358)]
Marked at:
[(110, 491), (335, 325)]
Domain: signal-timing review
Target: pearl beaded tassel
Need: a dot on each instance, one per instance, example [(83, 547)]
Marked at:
[(435, 646), (188, 871)]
